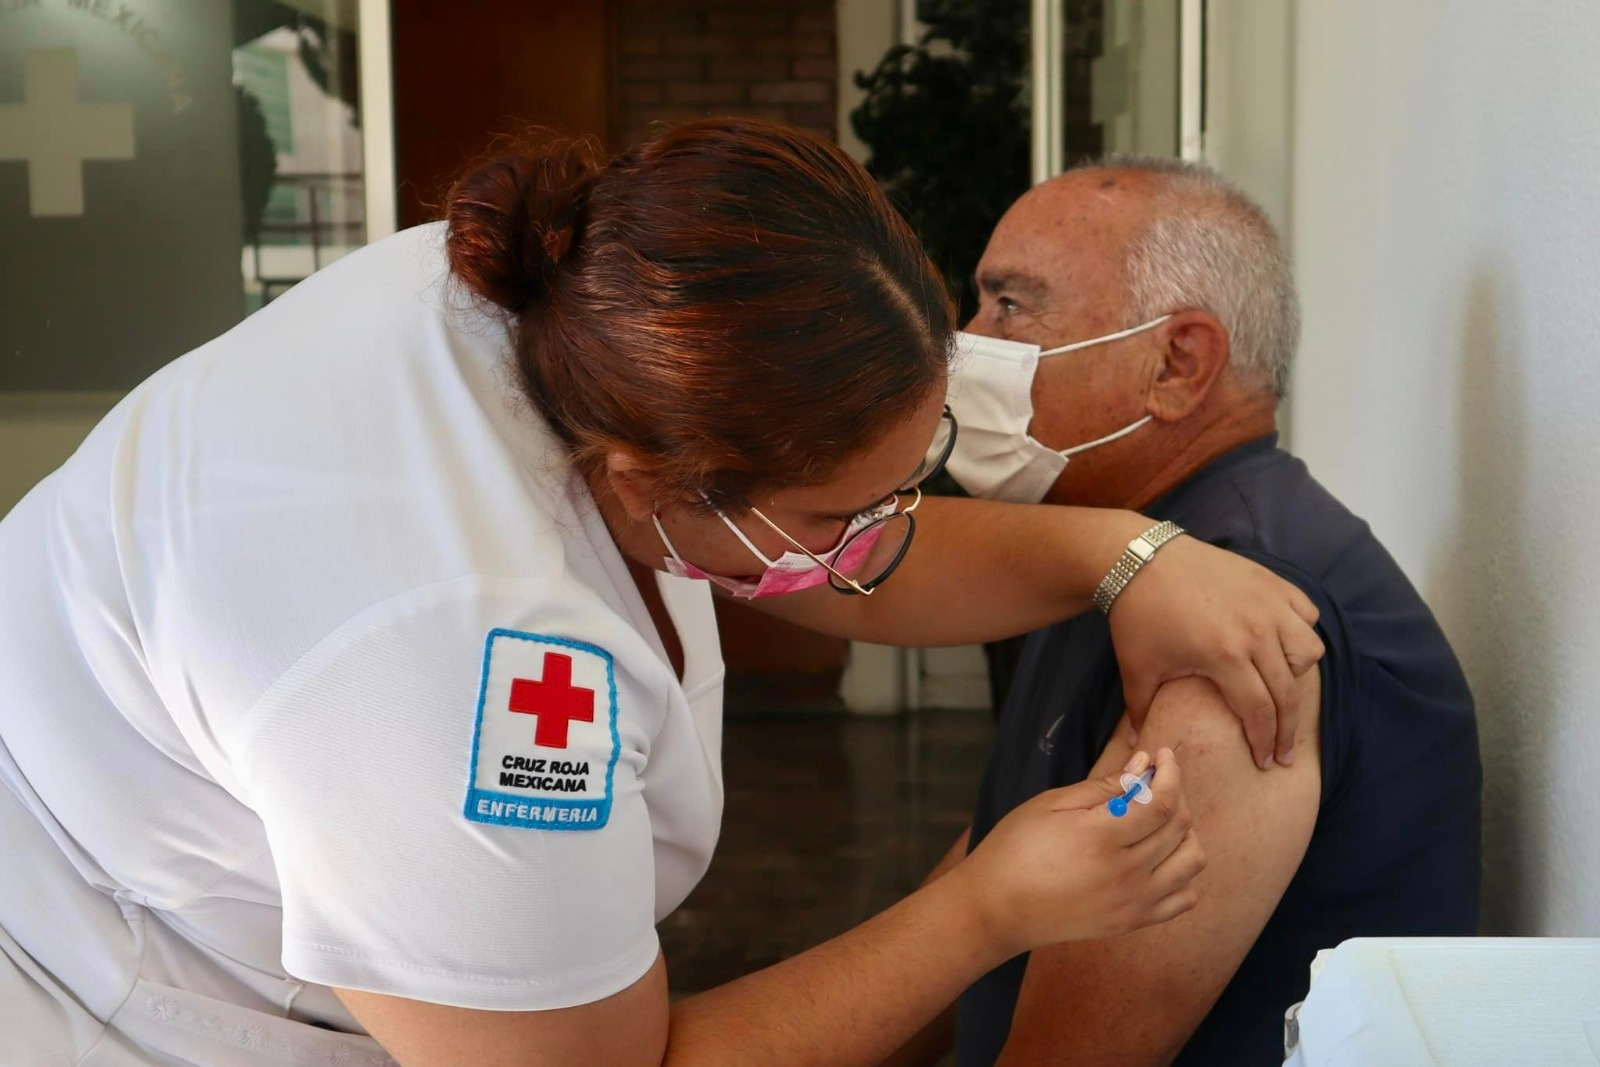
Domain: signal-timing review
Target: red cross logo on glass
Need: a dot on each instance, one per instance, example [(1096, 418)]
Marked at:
[(553, 700)]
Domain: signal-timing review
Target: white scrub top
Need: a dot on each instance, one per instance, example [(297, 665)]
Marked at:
[(319, 668)]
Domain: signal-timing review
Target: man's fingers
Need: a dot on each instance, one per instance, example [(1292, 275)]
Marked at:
[(1246, 693), (1286, 695)]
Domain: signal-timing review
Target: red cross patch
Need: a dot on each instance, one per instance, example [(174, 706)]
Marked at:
[(545, 743), (553, 698)]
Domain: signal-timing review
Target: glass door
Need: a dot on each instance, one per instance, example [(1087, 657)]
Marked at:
[(168, 166), (1116, 76)]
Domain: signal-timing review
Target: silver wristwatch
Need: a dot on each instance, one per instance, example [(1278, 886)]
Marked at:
[(1140, 550)]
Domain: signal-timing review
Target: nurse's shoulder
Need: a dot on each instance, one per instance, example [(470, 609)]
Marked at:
[(355, 440)]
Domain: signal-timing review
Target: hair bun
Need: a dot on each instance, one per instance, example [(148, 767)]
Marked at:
[(514, 218)]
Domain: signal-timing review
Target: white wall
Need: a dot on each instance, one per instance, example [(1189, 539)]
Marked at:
[(1249, 110), (1446, 225), (1249, 107)]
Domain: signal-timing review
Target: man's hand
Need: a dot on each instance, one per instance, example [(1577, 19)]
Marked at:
[(1198, 611)]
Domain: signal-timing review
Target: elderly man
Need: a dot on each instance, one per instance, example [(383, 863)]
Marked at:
[(1184, 295)]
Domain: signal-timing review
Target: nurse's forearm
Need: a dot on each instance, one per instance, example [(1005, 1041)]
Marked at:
[(852, 1000), (977, 571), (849, 1001)]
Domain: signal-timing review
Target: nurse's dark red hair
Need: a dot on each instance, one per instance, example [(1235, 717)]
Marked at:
[(735, 301)]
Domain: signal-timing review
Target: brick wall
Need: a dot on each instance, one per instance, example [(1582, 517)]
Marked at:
[(677, 59)]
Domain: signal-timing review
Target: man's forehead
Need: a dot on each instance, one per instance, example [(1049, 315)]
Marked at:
[(1071, 226), (1083, 204)]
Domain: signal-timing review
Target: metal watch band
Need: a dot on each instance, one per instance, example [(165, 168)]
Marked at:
[(1140, 550)]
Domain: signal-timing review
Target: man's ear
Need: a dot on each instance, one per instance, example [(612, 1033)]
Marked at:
[(1194, 352), (632, 482)]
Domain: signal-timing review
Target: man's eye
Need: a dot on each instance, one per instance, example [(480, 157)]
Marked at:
[(1008, 306)]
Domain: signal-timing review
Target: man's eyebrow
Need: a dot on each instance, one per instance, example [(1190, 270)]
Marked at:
[(1015, 280)]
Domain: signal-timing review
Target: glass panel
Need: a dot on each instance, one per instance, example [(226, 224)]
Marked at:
[(1082, 36), (1133, 76), (166, 166), (299, 147)]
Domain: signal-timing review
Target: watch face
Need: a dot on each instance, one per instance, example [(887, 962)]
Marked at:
[(1142, 548)]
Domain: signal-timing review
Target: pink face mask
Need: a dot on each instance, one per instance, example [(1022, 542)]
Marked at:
[(791, 572)]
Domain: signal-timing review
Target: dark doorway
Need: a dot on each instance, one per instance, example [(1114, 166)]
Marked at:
[(465, 72)]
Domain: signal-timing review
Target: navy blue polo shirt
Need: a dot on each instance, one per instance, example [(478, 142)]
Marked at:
[(1395, 849)]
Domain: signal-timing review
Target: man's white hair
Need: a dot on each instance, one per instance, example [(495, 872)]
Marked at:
[(1210, 246)]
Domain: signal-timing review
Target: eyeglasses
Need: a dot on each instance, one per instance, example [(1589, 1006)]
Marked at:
[(888, 537)]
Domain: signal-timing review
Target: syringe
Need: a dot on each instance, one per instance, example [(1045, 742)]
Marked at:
[(1135, 788)]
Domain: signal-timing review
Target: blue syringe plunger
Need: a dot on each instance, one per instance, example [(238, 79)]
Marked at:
[(1137, 790)]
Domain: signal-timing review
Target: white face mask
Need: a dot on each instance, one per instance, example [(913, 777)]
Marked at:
[(991, 397)]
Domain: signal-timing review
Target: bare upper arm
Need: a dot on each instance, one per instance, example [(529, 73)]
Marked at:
[(627, 1029), (1136, 999)]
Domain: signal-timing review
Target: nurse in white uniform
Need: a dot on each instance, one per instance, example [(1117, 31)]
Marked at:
[(348, 717)]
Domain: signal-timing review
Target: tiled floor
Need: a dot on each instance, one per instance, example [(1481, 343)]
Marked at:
[(827, 821)]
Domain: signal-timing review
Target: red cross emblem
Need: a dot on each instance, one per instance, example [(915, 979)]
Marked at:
[(554, 700)]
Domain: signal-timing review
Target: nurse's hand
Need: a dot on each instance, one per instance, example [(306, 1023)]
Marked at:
[(1063, 868), (1196, 610)]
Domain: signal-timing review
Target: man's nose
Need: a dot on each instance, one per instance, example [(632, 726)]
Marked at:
[(981, 323)]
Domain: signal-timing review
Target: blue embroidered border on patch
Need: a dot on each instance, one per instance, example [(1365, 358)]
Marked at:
[(505, 809)]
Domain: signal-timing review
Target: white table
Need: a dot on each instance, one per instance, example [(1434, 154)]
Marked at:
[(1451, 1002)]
